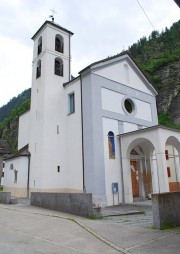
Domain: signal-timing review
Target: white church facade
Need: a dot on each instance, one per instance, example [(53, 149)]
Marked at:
[(97, 133)]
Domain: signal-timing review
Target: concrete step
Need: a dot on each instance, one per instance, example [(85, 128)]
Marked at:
[(110, 213), (20, 201)]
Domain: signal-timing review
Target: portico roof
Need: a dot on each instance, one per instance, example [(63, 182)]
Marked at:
[(148, 129)]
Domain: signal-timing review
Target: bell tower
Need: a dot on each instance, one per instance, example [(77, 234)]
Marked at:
[(51, 69)]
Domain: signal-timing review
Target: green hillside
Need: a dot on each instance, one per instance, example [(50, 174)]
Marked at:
[(159, 58), (5, 110)]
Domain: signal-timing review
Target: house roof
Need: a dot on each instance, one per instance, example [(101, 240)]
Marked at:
[(24, 151), (53, 24), (4, 147)]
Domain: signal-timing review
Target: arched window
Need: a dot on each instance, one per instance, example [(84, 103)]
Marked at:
[(111, 145), (38, 69), (58, 66), (39, 45), (59, 43)]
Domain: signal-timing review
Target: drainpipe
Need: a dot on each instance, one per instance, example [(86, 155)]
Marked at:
[(29, 156), (84, 187), (69, 58), (122, 182)]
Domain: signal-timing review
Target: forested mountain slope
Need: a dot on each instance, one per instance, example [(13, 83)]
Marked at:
[(159, 57), (9, 114), (5, 110)]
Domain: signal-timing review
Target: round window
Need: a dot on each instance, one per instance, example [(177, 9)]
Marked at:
[(129, 105)]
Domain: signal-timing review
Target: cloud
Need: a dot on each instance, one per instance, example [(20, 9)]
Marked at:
[(15, 68)]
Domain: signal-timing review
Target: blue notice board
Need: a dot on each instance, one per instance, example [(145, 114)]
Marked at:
[(115, 187)]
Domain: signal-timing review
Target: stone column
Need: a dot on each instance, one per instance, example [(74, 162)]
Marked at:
[(140, 181), (154, 173), (128, 195), (162, 172)]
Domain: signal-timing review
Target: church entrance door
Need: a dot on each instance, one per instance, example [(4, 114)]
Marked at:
[(135, 184)]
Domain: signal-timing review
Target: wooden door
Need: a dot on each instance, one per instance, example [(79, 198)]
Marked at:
[(135, 184)]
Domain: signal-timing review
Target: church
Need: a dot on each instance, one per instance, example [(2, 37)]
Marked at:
[(97, 133)]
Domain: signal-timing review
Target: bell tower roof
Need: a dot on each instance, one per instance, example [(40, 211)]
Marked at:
[(52, 24)]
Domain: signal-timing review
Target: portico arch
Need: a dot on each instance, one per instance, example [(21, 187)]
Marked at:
[(140, 154), (148, 144)]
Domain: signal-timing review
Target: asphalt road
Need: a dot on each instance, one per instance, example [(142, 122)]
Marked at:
[(29, 233), (27, 229)]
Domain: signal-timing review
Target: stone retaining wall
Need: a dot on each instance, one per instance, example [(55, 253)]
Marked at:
[(166, 209), (74, 203), (5, 197)]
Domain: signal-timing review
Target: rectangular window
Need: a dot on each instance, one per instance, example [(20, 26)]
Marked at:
[(71, 103), (169, 171), (15, 176), (57, 129), (167, 154), (58, 169)]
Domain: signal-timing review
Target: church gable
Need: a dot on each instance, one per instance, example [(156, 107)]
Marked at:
[(123, 70)]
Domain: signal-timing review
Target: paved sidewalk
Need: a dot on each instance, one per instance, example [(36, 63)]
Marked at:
[(128, 209), (28, 229), (136, 214)]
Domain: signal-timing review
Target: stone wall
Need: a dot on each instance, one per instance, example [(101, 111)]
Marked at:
[(74, 203), (166, 209), (5, 197)]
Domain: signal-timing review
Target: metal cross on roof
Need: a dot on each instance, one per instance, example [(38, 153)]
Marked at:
[(52, 16)]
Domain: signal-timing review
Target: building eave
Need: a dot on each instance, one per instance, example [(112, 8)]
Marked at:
[(52, 24), (23, 152), (118, 56), (71, 81), (148, 129)]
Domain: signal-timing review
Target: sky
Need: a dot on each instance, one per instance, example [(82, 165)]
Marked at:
[(101, 28)]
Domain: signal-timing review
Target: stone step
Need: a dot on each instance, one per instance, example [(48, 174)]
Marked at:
[(20, 201)]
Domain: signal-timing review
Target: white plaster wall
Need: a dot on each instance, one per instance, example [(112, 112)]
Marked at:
[(48, 40), (143, 110), (20, 164), (23, 131), (128, 127), (118, 72), (48, 110), (112, 166), (111, 101), (73, 139), (64, 149), (171, 163), (1, 169)]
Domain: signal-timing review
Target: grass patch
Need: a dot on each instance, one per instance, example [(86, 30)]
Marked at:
[(1, 189), (167, 225), (95, 217)]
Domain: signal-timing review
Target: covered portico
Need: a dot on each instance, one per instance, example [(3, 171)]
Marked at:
[(145, 158)]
